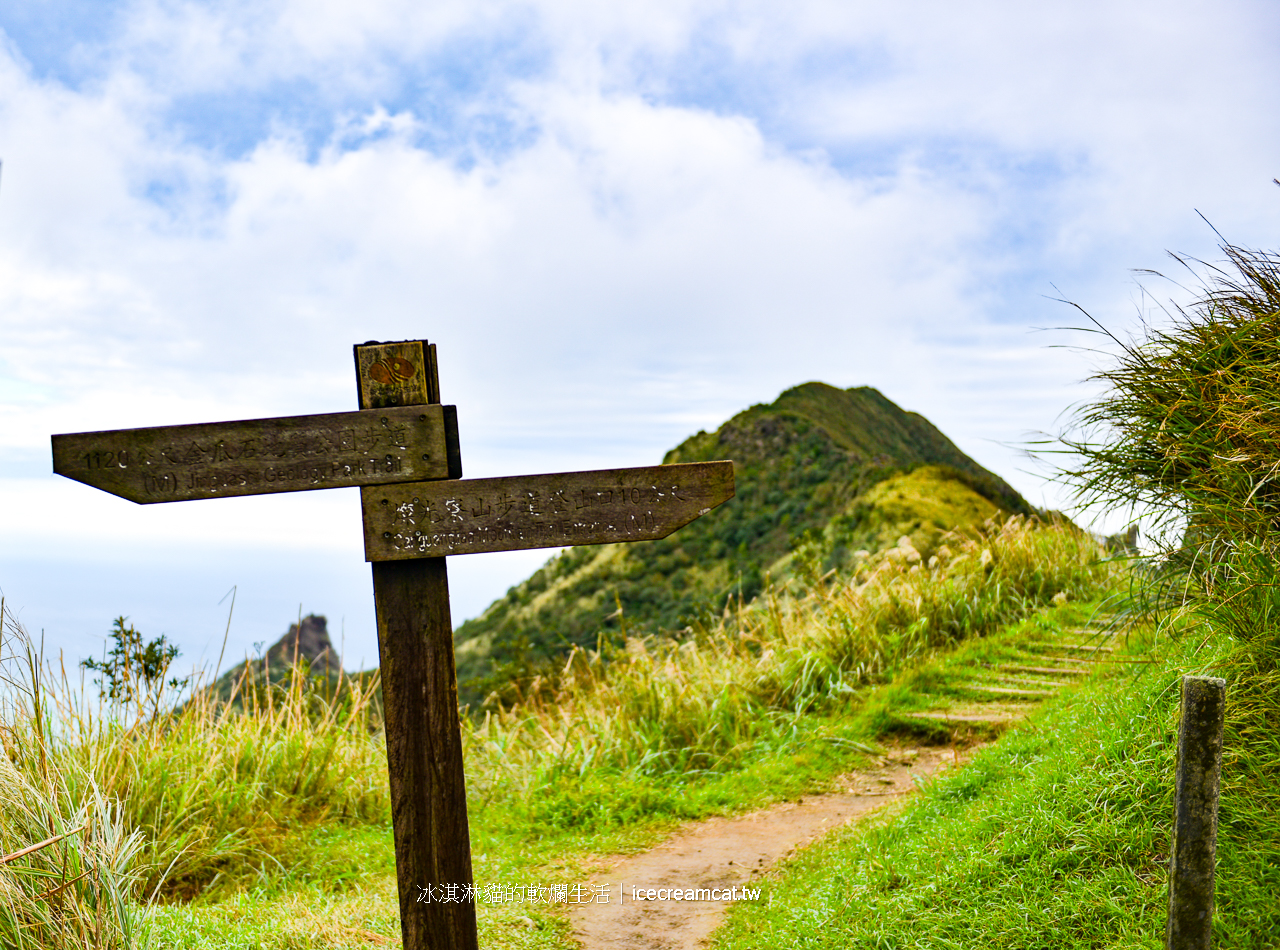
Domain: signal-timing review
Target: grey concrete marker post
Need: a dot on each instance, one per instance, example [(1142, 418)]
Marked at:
[(1195, 819)]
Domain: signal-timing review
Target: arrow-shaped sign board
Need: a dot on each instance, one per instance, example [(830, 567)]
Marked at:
[(263, 456), (469, 516)]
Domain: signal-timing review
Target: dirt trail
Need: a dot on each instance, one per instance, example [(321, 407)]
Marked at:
[(729, 852)]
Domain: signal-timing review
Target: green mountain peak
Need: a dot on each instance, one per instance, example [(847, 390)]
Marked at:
[(836, 470)]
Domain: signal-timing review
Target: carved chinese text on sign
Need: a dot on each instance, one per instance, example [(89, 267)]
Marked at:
[(539, 511), (261, 456)]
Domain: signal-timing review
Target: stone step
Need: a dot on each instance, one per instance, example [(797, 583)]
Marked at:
[(1002, 691), (1096, 659), (1007, 697), (1084, 648), (1025, 681), (1093, 633), (995, 718)]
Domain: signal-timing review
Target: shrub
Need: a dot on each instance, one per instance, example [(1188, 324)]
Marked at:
[(1188, 426), (1188, 433)]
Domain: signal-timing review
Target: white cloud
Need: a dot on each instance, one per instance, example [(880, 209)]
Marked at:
[(685, 208)]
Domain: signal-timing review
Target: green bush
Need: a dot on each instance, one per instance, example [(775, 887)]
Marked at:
[(1187, 435)]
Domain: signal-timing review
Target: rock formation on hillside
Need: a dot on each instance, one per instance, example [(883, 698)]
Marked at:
[(308, 641)]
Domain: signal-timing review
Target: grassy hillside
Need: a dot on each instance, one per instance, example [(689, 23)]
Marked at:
[(266, 827), (1053, 839), (827, 471), (1057, 836)]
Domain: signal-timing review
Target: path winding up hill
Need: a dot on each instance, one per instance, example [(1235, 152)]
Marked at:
[(977, 701)]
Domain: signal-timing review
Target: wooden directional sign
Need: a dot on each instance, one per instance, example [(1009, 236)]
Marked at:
[(261, 456), (539, 511), (401, 448)]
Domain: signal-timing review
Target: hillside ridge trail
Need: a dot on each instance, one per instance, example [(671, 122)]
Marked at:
[(735, 852)]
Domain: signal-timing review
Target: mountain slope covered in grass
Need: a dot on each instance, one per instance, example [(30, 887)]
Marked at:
[(823, 471)]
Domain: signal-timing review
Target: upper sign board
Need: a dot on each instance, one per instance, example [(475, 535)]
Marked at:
[(470, 516), (262, 456)]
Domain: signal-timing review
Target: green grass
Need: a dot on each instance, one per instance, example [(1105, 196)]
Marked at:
[(1055, 837), (268, 827), (1186, 429), (554, 834)]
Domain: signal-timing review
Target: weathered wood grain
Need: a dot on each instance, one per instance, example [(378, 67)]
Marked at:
[(424, 741), (396, 374), (424, 754), (262, 456), (539, 511), (1193, 849)]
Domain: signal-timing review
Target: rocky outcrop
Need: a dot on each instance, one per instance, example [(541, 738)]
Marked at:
[(307, 643), (307, 640)]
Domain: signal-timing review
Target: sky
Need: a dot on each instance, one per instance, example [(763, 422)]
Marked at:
[(620, 223)]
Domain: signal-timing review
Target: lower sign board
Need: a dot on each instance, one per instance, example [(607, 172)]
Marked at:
[(262, 456), (469, 516)]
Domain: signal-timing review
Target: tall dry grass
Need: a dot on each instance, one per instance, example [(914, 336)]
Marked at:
[(1187, 435), (168, 803), (200, 790), (69, 861), (702, 704)]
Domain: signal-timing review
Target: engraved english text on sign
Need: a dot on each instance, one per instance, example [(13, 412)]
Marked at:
[(469, 516), (262, 456)]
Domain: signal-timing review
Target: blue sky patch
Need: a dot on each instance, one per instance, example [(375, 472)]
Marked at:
[(62, 40)]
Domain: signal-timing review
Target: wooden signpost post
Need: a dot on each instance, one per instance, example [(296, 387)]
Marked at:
[(1194, 843), (401, 449)]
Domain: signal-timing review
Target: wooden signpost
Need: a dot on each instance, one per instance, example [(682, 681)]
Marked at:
[(1194, 843), (401, 449)]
